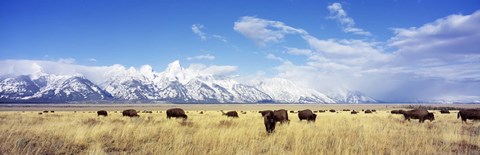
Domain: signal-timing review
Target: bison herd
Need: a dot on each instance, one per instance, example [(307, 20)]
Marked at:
[(270, 117)]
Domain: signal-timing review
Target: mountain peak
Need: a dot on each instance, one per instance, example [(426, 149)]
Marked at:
[(174, 67)]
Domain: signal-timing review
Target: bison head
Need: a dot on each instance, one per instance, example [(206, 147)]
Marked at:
[(430, 117), (269, 120)]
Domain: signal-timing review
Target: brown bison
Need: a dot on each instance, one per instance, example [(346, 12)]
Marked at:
[(269, 121), (396, 112), (233, 114), (321, 110), (201, 112), (368, 111), (421, 114), (373, 110), (444, 111), (307, 114), (45, 111), (264, 112), (473, 114), (291, 111), (346, 110), (332, 110), (130, 113), (177, 113), (102, 113), (281, 116), (354, 112)]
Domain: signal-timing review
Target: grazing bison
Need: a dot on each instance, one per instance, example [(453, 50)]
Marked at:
[(421, 114), (264, 112), (332, 110), (102, 113), (397, 111), (307, 114), (177, 113), (373, 110), (40, 113), (473, 114), (444, 111), (368, 111), (321, 110), (354, 112), (281, 116), (269, 121), (244, 112), (291, 111), (346, 110), (45, 111), (201, 112), (233, 114), (130, 113)]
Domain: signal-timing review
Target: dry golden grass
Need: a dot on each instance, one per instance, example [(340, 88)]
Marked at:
[(212, 133)]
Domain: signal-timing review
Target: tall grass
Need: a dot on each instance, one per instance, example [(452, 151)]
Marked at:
[(212, 133)]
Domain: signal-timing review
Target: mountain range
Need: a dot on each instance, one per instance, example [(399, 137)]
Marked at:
[(175, 85)]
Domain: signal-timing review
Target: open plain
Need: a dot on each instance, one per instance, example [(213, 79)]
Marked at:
[(76, 129)]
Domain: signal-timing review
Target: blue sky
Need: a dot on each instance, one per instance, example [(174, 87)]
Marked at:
[(135, 33)]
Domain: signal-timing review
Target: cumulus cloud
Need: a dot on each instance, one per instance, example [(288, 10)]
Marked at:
[(440, 58), (197, 29), (213, 69), (273, 57), (202, 57), (66, 60), (263, 31), (340, 15), (296, 51)]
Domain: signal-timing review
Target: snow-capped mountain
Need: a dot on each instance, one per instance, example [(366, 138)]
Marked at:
[(282, 90), (451, 99), (343, 95), (51, 88), (175, 84)]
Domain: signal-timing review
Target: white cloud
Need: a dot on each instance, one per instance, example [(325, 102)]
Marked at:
[(263, 31), (436, 59), (213, 69), (66, 60), (296, 51), (219, 37), (273, 57), (340, 15), (92, 59), (202, 57), (454, 34), (197, 29)]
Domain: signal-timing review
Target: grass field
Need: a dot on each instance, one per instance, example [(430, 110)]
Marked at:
[(82, 132)]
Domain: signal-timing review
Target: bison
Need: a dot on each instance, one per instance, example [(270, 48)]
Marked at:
[(291, 111), (269, 121), (130, 113), (177, 113), (264, 112), (321, 111), (307, 114), (354, 112), (397, 111), (281, 116), (421, 114), (233, 114), (102, 113), (346, 110), (444, 111), (201, 112), (332, 110), (368, 111), (473, 114)]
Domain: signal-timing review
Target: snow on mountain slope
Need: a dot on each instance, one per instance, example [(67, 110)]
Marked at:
[(282, 90), (348, 96), (175, 84)]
